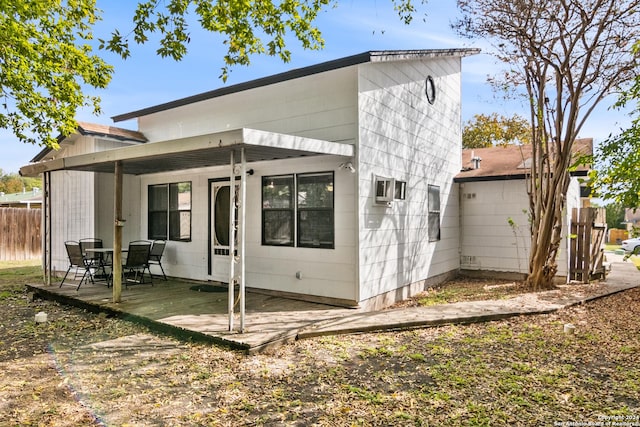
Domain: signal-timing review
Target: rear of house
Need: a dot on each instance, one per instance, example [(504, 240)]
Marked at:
[(347, 166)]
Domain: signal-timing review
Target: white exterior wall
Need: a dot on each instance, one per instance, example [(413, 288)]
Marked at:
[(319, 106), (488, 241), (496, 230), (82, 202), (404, 137), (325, 272)]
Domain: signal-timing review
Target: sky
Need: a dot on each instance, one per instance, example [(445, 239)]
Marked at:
[(353, 27)]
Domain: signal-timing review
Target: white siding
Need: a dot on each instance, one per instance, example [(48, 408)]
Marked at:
[(82, 202), (321, 106), (404, 137), (325, 272), (496, 232)]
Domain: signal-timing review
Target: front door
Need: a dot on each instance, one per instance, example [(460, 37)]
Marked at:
[(219, 226)]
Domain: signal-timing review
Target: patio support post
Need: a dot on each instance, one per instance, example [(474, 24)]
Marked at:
[(117, 234), (241, 227), (232, 237), (46, 226)]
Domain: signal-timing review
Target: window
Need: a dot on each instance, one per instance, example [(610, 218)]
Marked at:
[(308, 220), (277, 210), (170, 211), (315, 210), (434, 213), (401, 190)]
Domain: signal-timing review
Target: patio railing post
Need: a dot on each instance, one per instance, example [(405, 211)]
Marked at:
[(232, 237), (241, 232)]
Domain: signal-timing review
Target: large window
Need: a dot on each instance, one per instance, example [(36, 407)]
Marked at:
[(170, 211), (307, 220), (434, 213)]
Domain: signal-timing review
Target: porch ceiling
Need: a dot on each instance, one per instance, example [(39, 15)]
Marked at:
[(194, 152)]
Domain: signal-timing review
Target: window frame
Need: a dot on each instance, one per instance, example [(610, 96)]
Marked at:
[(434, 211), (269, 209), (316, 209), (172, 212), (296, 211)]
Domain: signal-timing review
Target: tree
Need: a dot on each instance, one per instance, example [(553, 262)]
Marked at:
[(615, 215), (567, 56), (242, 24), (45, 59), (617, 159), (14, 183), (486, 131)]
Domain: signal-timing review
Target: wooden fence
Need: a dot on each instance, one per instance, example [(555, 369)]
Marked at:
[(20, 234), (588, 228)]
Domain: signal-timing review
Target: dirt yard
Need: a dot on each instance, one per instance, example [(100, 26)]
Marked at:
[(85, 369)]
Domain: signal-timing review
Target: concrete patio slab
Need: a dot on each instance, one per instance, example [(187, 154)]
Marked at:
[(175, 307)]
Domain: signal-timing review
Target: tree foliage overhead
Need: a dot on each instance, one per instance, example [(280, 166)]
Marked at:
[(45, 60), (248, 27), (489, 130), (566, 56)]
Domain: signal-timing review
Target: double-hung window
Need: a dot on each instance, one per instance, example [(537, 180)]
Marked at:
[(298, 210), (169, 216)]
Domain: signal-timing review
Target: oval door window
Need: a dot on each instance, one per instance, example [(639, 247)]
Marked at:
[(221, 213)]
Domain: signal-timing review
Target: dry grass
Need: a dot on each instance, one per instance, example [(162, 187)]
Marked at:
[(84, 369)]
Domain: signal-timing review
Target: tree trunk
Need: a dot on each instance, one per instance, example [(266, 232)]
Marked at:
[(546, 230)]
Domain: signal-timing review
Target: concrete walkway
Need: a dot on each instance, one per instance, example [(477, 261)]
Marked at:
[(623, 276)]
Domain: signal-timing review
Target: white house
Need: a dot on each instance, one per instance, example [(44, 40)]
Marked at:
[(494, 209), (344, 175)]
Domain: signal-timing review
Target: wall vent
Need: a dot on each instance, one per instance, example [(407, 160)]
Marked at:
[(468, 260)]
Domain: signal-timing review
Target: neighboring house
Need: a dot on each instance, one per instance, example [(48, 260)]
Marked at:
[(26, 199), (349, 188), (494, 209), (632, 220)]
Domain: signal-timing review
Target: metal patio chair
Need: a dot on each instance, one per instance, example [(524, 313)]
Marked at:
[(155, 256), (78, 262), (98, 261), (137, 262)]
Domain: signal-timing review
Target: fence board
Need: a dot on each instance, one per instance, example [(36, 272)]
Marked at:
[(20, 237), (586, 255)]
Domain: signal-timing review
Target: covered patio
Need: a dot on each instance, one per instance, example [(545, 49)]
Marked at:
[(235, 149), (198, 311)]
